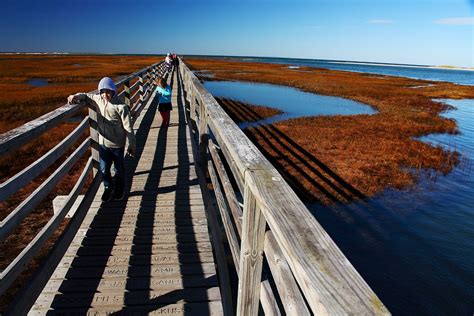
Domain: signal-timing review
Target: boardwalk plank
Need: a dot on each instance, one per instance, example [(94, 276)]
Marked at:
[(76, 300), (161, 271), (206, 308)]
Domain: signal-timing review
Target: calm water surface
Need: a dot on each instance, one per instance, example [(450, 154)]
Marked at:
[(293, 102), (38, 82), (415, 248)]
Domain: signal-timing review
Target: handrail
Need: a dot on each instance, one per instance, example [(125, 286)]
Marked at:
[(29, 131), (18, 181), (17, 137), (328, 281)]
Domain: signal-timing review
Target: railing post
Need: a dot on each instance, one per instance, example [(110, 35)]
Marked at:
[(187, 81), (203, 135), (149, 79), (94, 134), (126, 93), (153, 74), (251, 255), (140, 88), (192, 102)]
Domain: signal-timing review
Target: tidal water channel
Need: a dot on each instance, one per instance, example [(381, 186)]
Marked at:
[(292, 102), (38, 82), (414, 247)]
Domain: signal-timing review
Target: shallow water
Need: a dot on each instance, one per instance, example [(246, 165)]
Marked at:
[(293, 102), (415, 248), (38, 82)]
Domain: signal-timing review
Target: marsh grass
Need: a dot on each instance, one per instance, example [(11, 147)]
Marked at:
[(369, 152)]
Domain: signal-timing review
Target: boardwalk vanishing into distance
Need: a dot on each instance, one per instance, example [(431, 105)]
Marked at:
[(200, 196)]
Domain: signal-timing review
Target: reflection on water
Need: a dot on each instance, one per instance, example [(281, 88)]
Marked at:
[(38, 82), (293, 102), (415, 248)]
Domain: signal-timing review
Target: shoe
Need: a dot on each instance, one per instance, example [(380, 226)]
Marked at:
[(107, 195), (118, 193)]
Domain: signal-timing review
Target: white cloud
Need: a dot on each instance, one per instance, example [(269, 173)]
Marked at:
[(381, 21), (456, 21)]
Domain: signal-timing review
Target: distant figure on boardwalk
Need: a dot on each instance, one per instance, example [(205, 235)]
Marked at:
[(164, 90), (168, 62), (174, 57), (115, 126)]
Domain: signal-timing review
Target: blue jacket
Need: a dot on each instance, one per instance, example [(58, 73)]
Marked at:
[(165, 94)]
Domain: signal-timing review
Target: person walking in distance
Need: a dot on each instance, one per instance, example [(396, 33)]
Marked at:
[(168, 62), (115, 127), (164, 107)]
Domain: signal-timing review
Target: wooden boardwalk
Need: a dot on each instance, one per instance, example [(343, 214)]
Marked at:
[(150, 253)]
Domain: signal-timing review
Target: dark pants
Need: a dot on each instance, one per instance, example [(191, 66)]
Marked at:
[(165, 118), (107, 156)]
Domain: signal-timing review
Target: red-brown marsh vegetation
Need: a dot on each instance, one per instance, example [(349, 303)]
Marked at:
[(20, 102), (365, 152)]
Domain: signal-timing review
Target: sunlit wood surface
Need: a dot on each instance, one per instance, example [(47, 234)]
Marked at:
[(151, 252)]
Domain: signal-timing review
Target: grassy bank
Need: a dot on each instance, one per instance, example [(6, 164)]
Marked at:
[(367, 152)]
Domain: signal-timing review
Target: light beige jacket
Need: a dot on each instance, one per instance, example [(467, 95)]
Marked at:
[(113, 120)]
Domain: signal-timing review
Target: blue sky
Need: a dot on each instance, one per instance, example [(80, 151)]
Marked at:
[(433, 32)]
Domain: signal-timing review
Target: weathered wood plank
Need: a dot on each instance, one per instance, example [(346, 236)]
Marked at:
[(268, 300), (163, 271), (145, 209), (124, 284), (251, 256), (226, 220), (152, 249), (182, 309), (146, 203), (182, 239), (75, 300), (126, 231), (136, 260), (19, 136), (228, 189), (148, 217), (290, 295), (146, 224)]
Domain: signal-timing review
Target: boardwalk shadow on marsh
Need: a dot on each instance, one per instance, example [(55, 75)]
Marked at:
[(311, 179)]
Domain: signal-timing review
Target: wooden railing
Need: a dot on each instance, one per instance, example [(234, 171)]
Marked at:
[(267, 225), (136, 89)]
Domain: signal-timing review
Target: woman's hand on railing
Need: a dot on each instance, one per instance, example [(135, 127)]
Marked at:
[(75, 98)]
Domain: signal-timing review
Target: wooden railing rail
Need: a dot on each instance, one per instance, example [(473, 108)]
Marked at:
[(144, 83), (310, 272)]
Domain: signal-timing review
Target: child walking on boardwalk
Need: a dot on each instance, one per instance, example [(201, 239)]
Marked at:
[(115, 127), (164, 90)]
